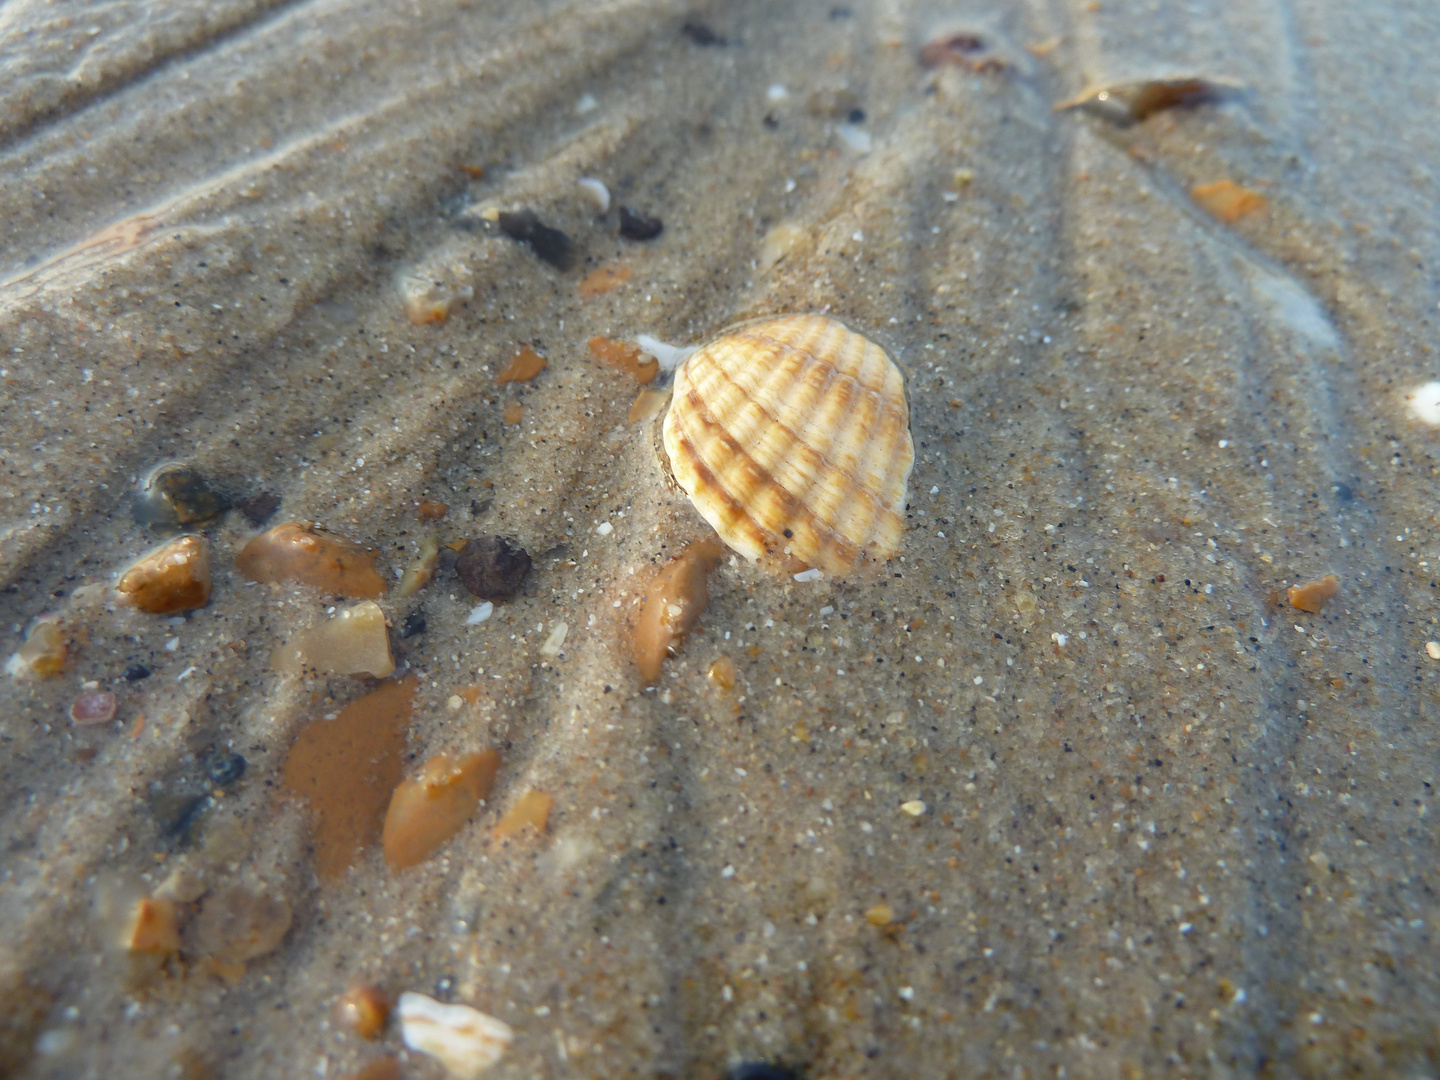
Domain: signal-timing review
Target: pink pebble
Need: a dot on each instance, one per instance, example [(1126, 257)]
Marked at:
[(96, 708)]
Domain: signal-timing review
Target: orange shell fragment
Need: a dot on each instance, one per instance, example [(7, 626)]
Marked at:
[(532, 810), (1227, 200), (523, 367), (428, 809), (1312, 595)]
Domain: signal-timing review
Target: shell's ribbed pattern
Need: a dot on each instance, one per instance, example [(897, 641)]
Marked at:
[(792, 435)]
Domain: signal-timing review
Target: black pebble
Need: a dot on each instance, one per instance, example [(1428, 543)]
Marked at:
[(839, 13), (1344, 493), (551, 245), (260, 508), (136, 672), (223, 767), (637, 226), (173, 497), (414, 624), (857, 116), (701, 34), (491, 569), (761, 1070)]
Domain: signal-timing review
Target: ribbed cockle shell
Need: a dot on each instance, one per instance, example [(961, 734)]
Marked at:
[(791, 436)]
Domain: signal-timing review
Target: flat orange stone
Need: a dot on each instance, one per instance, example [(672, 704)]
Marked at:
[(531, 811), (428, 809), (523, 367), (671, 606), (513, 413), (624, 357), (153, 927), (1312, 595), (603, 279), (647, 404), (296, 552), (430, 510), (175, 577), (1227, 200), (347, 768)]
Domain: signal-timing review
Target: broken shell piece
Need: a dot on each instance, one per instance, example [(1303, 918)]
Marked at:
[(596, 190), (153, 927), (604, 279), (354, 642), (962, 49), (237, 924), (1312, 595), (296, 552), (418, 574), (531, 811), (427, 810), (465, 1040), (1126, 103), (43, 652), (426, 300), (670, 607), (523, 366), (792, 437), (647, 403), (175, 577)]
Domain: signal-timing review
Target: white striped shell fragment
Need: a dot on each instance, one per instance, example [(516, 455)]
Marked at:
[(792, 437)]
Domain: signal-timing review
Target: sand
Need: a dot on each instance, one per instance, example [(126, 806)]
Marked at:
[(1171, 825)]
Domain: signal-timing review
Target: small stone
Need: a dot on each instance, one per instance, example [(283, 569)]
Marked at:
[(153, 927), (624, 357), (174, 496), (427, 301), (421, 569), (259, 508), (523, 367), (603, 279), (42, 654), (354, 642), (295, 552), (637, 226), (555, 641), (1227, 200), (414, 624), (430, 510), (224, 767), (647, 403), (237, 925), (467, 1041), (426, 810), (1312, 595), (551, 245), (882, 914), (364, 1009), (722, 673), (93, 708), (670, 607), (1432, 649), (701, 34), (136, 672), (531, 811), (385, 1068), (480, 613), (513, 413), (490, 569), (173, 578), (915, 807), (762, 1070)]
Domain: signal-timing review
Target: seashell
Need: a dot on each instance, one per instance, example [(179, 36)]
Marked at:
[(466, 1040), (792, 435)]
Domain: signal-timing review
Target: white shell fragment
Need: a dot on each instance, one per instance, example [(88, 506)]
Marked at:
[(597, 191), (479, 613), (465, 1040), (1424, 403), (556, 641)]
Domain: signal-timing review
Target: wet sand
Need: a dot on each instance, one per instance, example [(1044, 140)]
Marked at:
[(1172, 825)]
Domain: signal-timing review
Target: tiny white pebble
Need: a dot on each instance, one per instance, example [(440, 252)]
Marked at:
[(728, 872), (479, 613), (1433, 649), (1425, 403), (934, 491), (827, 610), (808, 575), (915, 807), (455, 703), (777, 92), (1060, 639), (597, 191), (907, 993), (172, 644), (1224, 443), (185, 674), (979, 679), (604, 528)]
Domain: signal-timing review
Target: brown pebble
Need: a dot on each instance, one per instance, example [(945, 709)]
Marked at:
[(531, 811), (722, 673), (1227, 200), (175, 577), (364, 1009), (258, 509), (670, 607), (491, 569), (93, 708), (474, 172), (347, 768), (355, 642), (1312, 595), (624, 357), (385, 1068), (430, 510), (513, 413), (237, 924), (604, 279), (42, 654), (428, 809), (153, 927), (295, 552), (523, 367), (961, 49), (637, 226), (882, 914), (647, 403)]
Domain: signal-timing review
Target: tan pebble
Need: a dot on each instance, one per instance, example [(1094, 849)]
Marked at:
[(428, 809), (722, 673), (1227, 200), (513, 413), (915, 807), (466, 1041), (430, 510), (421, 569), (174, 577), (385, 1068), (295, 552), (624, 357), (425, 300), (523, 366), (355, 642), (346, 768), (1432, 649), (670, 606), (531, 811), (153, 927), (1312, 595), (882, 914), (237, 924), (364, 1009), (97, 707), (604, 279), (792, 438), (42, 654)]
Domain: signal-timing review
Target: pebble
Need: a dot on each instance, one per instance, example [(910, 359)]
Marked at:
[(701, 34), (550, 245), (1432, 649), (670, 606), (93, 708), (555, 640), (637, 226), (479, 613), (1312, 595), (467, 1041), (513, 413), (295, 552), (385, 1068), (1227, 200), (224, 767), (523, 366), (136, 672), (490, 569), (604, 279), (722, 673), (414, 624), (42, 654), (174, 577), (914, 807), (259, 508), (347, 768), (808, 575), (761, 1070), (152, 927), (355, 642), (430, 510), (624, 357), (364, 1009), (428, 809), (531, 811), (882, 914), (238, 924), (174, 496), (421, 569), (597, 192)]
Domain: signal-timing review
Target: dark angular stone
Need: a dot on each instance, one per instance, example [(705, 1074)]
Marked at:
[(762, 1070), (136, 672), (701, 34), (491, 569), (258, 509), (414, 624), (173, 497), (224, 767), (637, 226), (551, 245)]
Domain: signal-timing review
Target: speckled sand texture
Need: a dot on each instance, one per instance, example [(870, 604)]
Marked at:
[(1171, 827)]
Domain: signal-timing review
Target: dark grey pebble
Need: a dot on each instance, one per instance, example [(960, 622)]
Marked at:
[(258, 509), (491, 569), (414, 624), (551, 245), (224, 767), (174, 496), (136, 672), (637, 226), (762, 1070)]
